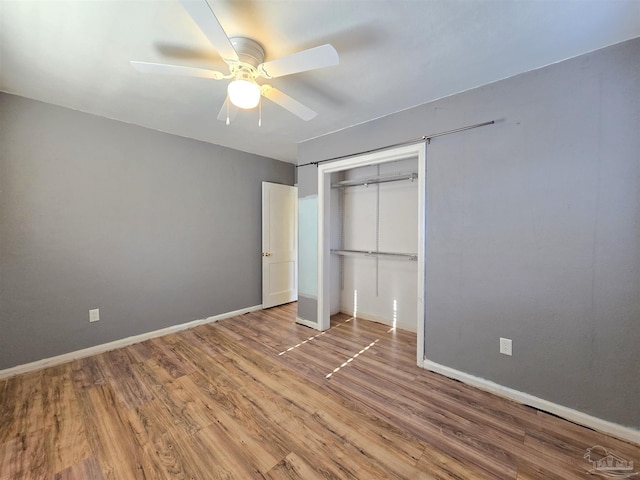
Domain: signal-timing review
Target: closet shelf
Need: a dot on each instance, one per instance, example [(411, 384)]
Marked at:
[(365, 253), (373, 180)]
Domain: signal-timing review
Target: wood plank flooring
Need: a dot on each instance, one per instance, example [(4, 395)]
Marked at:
[(258, 396)]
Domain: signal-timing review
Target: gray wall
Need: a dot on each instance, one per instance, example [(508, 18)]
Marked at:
[(533, 229), (153, 229)]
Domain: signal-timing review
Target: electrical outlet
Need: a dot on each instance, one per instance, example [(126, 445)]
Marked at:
[(94, 315), (505, 346)]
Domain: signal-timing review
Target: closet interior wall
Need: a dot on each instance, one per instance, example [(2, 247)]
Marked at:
[(375, 217)]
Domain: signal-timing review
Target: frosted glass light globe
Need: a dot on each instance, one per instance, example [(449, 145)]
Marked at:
[(244, 93)]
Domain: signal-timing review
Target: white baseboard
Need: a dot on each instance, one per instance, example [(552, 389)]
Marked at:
[(368, 316), (604, 426), (378, 319), (105, 347)]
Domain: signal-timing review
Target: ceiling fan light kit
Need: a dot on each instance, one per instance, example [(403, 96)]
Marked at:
[(245, 59), (244, 93)]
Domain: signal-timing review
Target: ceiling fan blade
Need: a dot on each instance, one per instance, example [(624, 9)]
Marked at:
[(232, 112), (161, 68), (288, 103), (317, 57), (202, 14)]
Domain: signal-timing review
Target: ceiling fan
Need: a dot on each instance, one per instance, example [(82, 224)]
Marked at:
[(245, 59)]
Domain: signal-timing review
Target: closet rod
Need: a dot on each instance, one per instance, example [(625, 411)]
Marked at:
[(424, 138), (365, 253), (374, 180)]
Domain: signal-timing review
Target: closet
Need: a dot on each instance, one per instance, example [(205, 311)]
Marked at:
[(374, 242)]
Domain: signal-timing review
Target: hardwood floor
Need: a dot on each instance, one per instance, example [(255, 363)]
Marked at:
[(258, 396)]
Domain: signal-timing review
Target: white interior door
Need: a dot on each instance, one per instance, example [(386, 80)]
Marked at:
[(279, 244)]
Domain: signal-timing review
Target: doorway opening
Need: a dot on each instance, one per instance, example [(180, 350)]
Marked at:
[(340, 174), (279, 244)]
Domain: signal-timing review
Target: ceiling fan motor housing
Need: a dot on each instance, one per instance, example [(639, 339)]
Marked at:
[(249, 51)]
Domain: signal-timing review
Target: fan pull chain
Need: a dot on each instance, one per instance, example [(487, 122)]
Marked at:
[(227, 102), (260, 112)]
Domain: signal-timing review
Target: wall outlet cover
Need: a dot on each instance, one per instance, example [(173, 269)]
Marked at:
[(505, 346), (94, 315)]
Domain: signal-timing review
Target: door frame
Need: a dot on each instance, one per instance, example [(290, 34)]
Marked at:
[(325, 170)]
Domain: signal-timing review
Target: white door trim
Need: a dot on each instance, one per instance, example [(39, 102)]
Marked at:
[(324, 213)]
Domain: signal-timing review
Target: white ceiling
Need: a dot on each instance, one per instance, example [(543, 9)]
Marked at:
[(394, 55)]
